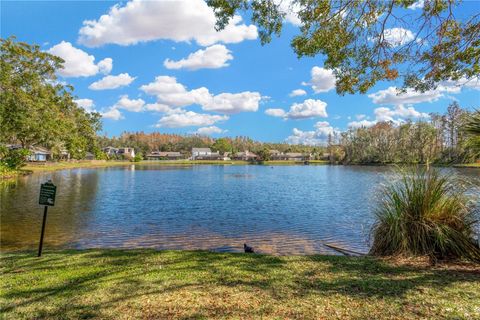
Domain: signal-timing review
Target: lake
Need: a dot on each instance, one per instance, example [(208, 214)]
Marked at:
[(276, 209)]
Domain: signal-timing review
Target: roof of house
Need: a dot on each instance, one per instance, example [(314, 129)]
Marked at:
[(164, 154), (40, 150), (201, 150), (293, 154), (245, 153)]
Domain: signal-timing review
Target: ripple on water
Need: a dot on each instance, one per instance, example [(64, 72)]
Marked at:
[(285, 210)]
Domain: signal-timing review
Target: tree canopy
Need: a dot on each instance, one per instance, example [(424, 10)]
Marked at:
[(37, 109), (366, 41)]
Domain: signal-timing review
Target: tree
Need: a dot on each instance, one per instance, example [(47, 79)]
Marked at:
[(222, 145), (35, 108), (369, 41), (472, 129), (264, 154)]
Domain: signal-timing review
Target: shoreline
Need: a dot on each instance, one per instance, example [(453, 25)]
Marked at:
[(65, 165), (149, 284)]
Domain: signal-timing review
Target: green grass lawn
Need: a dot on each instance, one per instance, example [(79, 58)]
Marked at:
[(147, 284)]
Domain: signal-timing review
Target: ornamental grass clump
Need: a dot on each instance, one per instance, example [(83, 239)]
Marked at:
[(422, 212)]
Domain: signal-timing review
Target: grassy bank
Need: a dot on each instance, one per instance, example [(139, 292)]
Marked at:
[(52, 166), (136, 284)]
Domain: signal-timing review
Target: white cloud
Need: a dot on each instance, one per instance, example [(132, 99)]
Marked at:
[(213, 57), (323, 80), (291, 10), (182, 20), (360, 116), (234, 102), (398, 36), (160, 107), (113, 114), (78, 63), (397, 115), (86, 104), (317, 137), (275, 112), (307, 109), (132, 105), (209, 130), (410, 96), (386, 114), (455, 86), (112, 82), (189, 119), (168, 91), (105, 66), (361, 123), (416, 5), (297, 92)]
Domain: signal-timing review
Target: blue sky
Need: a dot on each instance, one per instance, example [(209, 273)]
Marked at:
[(160, 66)]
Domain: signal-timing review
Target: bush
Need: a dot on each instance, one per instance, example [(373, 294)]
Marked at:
[(138, 157), (422, 212), (13, 159)]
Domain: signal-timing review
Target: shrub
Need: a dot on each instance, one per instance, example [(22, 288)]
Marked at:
[(13, 159), (422, 212), (138, 157)]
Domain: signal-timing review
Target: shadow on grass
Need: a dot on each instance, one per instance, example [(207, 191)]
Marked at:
[(82, 284)]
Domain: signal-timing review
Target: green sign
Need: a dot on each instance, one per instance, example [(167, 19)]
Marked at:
[(47, 194)]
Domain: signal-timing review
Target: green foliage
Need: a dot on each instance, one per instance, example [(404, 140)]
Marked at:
[(422, 212), (264, 154), (35, 109), (440, 140), (138, 157), (354, 38), (472, 129), (12, 159), (222, 145)]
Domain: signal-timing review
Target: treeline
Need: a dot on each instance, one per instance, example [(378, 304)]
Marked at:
[(441, 140), (38, 110), (145, 143)]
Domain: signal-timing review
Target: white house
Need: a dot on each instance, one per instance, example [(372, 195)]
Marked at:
[(205, 154)]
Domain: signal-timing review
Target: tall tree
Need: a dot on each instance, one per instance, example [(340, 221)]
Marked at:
[(37, 109), (370, 40)]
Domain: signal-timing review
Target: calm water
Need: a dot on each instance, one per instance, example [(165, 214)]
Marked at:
[(277, 210)]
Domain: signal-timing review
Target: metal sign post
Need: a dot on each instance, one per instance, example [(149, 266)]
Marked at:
[(47, 198)]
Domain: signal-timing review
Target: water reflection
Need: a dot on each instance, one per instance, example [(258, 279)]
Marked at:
[(279, 210)]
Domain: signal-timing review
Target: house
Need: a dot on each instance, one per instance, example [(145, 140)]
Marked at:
[(64, 155), (126, 152), (169, 155), (89, 156), (246, 156), (277, 155), (39, 154), (205, 154), (110, 151), (296, 156), (122, 152), (291, 156)]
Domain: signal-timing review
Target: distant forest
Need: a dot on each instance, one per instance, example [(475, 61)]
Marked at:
[(441, 139)]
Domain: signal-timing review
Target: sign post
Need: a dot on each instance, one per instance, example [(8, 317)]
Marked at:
[(47, 198)]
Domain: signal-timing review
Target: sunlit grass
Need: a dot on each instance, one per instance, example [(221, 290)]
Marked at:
[(147, 284)]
